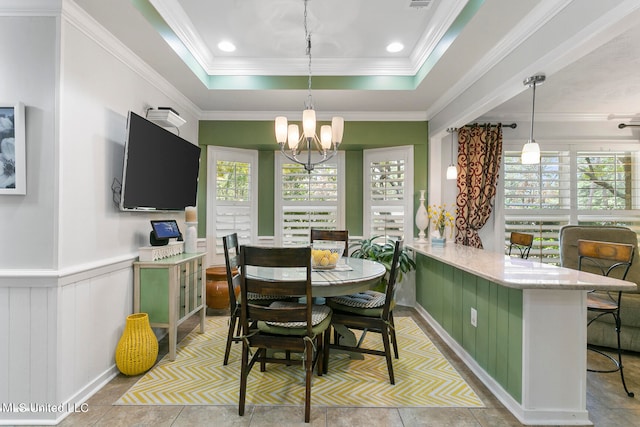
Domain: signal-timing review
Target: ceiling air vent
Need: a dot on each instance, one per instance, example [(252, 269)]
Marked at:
[(420, 3)]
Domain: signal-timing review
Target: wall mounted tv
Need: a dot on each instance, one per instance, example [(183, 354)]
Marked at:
[(160, 169)]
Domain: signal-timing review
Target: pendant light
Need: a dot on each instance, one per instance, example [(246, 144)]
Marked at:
[(452, 170), (293, 145), (531, 150)]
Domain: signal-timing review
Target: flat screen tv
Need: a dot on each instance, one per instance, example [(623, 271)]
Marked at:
[(160, 168)]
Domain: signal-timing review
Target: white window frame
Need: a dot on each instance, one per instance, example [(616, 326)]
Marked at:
[(279, 203), (405, 153), (571, 214), (215, 154)]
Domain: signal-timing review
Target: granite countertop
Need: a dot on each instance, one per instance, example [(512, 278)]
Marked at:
[(516, 272)]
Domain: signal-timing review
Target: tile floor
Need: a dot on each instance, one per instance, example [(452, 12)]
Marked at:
[(606, 402)]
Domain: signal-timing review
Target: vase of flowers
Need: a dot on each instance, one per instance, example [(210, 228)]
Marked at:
[(441, 219)]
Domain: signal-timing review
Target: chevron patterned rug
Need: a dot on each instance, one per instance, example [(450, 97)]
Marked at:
[(424, 378)]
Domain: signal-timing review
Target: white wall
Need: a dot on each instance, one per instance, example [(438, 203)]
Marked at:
[(28, 74), (65, 277)]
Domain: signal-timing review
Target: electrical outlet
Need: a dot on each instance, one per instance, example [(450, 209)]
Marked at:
[(474, 317)]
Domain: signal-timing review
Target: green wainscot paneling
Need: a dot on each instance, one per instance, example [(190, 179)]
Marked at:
[(448, 294)]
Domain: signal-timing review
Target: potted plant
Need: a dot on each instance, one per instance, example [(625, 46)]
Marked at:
[(383, 253)]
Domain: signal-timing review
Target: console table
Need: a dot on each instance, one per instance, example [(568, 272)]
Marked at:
[(170, 290), (520, 326)]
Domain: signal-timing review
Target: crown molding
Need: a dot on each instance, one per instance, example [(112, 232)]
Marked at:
[(30, 7), (354, 116), (546, 10), (558, 117), (442, 19), (178, 21)]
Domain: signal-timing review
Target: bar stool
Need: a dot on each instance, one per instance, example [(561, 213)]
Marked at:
[(606, 257), (522, 242)]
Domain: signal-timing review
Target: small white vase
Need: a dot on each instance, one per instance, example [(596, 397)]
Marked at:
[(422, 218), (191, 238)]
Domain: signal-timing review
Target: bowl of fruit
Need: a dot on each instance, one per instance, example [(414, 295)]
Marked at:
[(325, 254)]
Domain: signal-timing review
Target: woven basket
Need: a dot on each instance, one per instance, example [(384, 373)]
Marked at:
[(137, 349)]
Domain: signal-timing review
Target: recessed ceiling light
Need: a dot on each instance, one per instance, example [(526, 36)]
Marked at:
[(226, 46), (395, 47)]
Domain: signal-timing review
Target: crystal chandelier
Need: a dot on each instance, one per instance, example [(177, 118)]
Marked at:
[(298, 148)]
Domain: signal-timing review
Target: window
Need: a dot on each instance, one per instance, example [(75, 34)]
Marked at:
[(308, 200), (605, 181), (568, 187), (388, 192), (231, 201)]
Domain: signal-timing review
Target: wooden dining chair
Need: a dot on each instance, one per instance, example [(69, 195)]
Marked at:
[(296, 327), (331, 235), (232, 262), (369, 311), (605, 258), (521, 242)]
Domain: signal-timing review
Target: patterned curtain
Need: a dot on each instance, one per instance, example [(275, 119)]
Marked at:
[(479, 154)]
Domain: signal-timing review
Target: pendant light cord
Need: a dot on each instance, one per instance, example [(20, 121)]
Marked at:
[(533, 108), (307, 35)]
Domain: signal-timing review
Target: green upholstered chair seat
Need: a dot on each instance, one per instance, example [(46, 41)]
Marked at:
[(320, 320), (367, 303)]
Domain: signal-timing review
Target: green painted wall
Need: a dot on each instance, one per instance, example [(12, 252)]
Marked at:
[(448, 294), (259, 135)]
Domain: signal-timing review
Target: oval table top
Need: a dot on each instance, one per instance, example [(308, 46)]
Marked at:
[(354, 275)]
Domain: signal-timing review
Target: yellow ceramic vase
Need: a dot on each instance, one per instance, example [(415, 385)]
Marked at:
[(137, 349)]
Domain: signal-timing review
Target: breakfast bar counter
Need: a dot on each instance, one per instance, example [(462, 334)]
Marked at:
[(520, 325)]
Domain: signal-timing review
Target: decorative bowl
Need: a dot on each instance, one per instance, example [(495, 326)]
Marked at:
[(326, 254)]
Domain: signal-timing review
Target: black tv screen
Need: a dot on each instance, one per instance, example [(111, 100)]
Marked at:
[(160, 168)]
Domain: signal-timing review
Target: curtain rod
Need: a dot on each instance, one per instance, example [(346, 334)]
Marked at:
[(624, 125), (511, 125)]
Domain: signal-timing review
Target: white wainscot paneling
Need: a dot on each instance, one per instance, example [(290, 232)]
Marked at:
[(92, 317), (27, 348), (58, 340)]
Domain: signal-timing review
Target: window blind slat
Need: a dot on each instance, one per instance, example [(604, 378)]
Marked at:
[(309, 200)]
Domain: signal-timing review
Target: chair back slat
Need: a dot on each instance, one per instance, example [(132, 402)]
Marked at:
[(522, 242), (606, 256), (269, 314), (287, 288), (521, 238), (333, 236)]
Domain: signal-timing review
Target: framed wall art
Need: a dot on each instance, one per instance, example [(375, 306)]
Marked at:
[(13, 162)]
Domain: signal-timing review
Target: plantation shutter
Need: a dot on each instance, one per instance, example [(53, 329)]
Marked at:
[(231, 198), (607, 188), (569, 187), (605, 180), (388, 192), (538, 200), (309, 200)]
